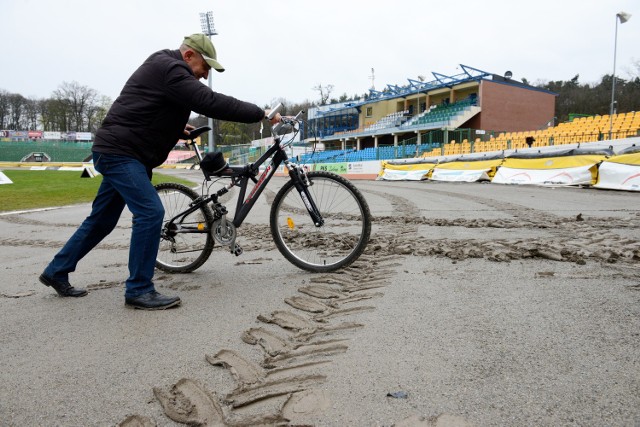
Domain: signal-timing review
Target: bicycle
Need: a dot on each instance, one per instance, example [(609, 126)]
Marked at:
[(319, 221)]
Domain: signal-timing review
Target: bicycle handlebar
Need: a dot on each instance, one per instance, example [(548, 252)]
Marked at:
[(284, 121), (275, 110)]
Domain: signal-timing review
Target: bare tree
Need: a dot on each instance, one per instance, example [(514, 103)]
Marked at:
[(16, 107), (96, 113), (324, 91), (4, 109), (31, 113), (79, 100), (53, 115)]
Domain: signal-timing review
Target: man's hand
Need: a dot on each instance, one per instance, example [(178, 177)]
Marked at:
[(187, 129), (275, 119)]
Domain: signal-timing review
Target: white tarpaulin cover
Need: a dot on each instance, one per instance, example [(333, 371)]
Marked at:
[(568, 176), (594, 166), (620, 173), (408, 172), (566, 170), (452, 175), (466, 170), (403, 175)]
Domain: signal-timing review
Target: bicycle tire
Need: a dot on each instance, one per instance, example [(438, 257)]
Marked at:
[(182, 252), (334, 245)]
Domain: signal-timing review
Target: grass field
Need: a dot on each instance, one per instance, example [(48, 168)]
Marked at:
[(41, 189)]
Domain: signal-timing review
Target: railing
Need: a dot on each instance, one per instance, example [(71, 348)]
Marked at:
[(466, 140)]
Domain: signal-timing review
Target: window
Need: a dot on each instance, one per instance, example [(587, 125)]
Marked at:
[(369, 112)]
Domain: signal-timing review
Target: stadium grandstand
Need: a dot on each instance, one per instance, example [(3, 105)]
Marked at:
[(474, 111)]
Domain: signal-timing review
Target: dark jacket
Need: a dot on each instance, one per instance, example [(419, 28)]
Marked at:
[(150, 114)]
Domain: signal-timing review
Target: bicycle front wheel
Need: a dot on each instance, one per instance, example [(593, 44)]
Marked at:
[(337, 243), (185, 243)]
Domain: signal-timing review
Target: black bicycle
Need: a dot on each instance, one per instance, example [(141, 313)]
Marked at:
[(319, 221)]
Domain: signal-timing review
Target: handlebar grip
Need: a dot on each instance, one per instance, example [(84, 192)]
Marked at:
[(275, 110), (277, 128)]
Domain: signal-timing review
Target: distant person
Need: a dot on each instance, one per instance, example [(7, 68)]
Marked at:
[(530, 140), (140, 129)]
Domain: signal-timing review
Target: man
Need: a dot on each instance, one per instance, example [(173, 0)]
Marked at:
[(140, 129)]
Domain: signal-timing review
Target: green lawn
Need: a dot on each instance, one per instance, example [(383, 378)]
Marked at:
[(40, 189)]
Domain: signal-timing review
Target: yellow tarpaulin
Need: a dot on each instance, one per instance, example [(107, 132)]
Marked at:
[(409, 166), (486, 165), (411, 171), (477, 165), (627, 159), (554, 162)]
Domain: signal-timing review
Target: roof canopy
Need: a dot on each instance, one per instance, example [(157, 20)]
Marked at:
[(414, 87)]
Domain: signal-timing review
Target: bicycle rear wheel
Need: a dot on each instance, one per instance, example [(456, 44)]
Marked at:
[(337, 243), (184, 246)]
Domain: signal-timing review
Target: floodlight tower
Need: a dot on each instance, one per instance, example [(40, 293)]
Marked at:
[(206, 23), (622, 17)]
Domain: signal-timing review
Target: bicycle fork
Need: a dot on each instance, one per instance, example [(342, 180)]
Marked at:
[(302, 184)]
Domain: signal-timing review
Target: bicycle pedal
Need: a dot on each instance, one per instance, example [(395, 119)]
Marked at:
[(237, 250)]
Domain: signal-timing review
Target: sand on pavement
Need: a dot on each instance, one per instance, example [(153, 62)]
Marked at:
[(474, 304)]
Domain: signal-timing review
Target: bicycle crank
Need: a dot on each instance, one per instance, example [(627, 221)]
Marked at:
[(224, 232)]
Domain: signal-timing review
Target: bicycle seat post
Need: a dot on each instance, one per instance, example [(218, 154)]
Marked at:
[(196, 149), (192, 140)]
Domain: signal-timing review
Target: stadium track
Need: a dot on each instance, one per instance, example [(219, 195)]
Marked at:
[(483, 304)]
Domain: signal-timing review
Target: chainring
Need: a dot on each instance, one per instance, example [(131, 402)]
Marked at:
[(225, 235)]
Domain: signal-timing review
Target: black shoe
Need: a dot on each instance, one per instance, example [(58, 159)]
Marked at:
[(152, 301), (64, 289)]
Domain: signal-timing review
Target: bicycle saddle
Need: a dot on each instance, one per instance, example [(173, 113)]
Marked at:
[(197, 132)]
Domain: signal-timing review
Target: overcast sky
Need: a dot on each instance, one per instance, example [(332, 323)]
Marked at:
[(283, 48)]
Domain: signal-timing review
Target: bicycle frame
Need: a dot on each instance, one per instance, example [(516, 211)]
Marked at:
[(318, 235), (240, 176)]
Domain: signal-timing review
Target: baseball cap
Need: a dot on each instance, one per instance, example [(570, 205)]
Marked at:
[(202, 44)]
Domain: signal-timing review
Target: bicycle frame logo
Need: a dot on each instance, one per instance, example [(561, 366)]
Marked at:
[(306, 202), (259, 183)]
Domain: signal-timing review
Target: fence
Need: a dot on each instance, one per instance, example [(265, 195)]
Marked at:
[(45, 151)]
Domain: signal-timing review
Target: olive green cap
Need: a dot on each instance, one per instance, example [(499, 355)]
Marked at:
[(202, 44)]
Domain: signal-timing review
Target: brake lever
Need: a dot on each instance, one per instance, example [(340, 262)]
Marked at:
[(284, 121)]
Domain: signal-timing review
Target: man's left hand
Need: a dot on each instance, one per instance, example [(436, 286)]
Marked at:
[(187, 129)]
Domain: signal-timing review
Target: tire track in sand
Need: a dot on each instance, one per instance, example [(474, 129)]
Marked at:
[(297, 343), (579, 239)]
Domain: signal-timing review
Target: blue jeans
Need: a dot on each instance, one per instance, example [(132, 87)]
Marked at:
[(125, 181)]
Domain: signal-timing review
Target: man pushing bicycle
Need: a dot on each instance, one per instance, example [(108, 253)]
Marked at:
[(140, 129)]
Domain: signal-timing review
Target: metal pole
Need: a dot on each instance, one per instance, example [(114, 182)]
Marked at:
[(613, 84), (206, 22), (212, 142)]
